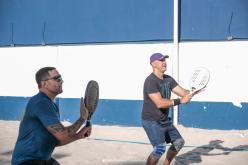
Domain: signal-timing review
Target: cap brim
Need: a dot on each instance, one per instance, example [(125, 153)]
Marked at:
[(165, 56)]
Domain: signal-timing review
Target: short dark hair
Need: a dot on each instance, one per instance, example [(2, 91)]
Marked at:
[(42, 74)]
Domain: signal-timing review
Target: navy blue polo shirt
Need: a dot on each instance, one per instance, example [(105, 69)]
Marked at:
[(34, 141)]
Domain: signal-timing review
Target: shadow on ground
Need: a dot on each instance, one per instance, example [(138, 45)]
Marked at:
[(5, 157), (194, 156), (58, 156)]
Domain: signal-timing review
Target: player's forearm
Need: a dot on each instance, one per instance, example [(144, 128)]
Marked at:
[(167, 103), (82, 133), (164, 103), (65, 135), (72, 129), (70, 139)]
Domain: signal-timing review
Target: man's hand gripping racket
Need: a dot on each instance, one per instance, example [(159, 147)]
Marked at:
[(91, 98), (199, 80)]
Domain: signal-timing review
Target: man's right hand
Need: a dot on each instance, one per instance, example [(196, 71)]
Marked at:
[(85, 132), (186, 98)]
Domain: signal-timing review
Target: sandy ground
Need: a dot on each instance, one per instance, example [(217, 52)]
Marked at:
[(115, 145)]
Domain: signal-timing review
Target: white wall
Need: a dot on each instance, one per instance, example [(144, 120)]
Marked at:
[(121, 69), (227, 62), (18, 67)]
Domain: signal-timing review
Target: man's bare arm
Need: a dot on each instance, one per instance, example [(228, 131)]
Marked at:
[(159, 101), (66, 135)]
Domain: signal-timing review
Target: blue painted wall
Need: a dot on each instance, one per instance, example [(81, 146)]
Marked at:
[(12, 108), (209, 115), (208, 20), (29, 22), (214, 115)]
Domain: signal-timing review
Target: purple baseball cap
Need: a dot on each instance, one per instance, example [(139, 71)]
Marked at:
[(157, 56)]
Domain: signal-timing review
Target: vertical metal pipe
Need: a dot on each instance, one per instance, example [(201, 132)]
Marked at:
[(175, 57)]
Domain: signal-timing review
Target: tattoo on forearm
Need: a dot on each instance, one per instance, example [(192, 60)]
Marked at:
[(73, 128), (56, 128)]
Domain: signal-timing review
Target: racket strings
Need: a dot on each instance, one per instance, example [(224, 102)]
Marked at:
[(195, 75), (203, 81), (199, 79)]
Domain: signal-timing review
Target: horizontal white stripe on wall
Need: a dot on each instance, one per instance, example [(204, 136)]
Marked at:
[(121, 69)]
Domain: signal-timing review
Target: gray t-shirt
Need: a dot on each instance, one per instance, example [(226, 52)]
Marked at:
[(153, 85)]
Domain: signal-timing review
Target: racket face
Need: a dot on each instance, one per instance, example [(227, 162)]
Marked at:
[(199, 78), (91, 97)]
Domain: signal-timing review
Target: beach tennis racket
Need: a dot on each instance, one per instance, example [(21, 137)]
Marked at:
[(91, 98), (199, 79)]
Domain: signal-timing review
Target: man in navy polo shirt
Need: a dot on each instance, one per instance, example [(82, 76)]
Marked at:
[(40, 130)]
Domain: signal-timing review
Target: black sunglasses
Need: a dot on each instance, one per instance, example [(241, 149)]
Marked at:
[(57, 78)]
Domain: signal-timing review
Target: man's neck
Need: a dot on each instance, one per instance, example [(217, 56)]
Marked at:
[(158, 74), (49, 94)]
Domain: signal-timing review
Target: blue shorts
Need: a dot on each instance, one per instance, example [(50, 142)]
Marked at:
[(159, 133)]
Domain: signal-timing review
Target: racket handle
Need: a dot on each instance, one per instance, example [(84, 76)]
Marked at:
[(88, 123)]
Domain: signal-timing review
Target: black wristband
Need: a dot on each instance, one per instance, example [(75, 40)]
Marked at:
[(176, 101)]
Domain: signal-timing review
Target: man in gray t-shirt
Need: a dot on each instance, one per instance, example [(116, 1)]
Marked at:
[(153, 85), (156, 123)]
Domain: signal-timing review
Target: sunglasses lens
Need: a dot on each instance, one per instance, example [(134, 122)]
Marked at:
[(58, 78)]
